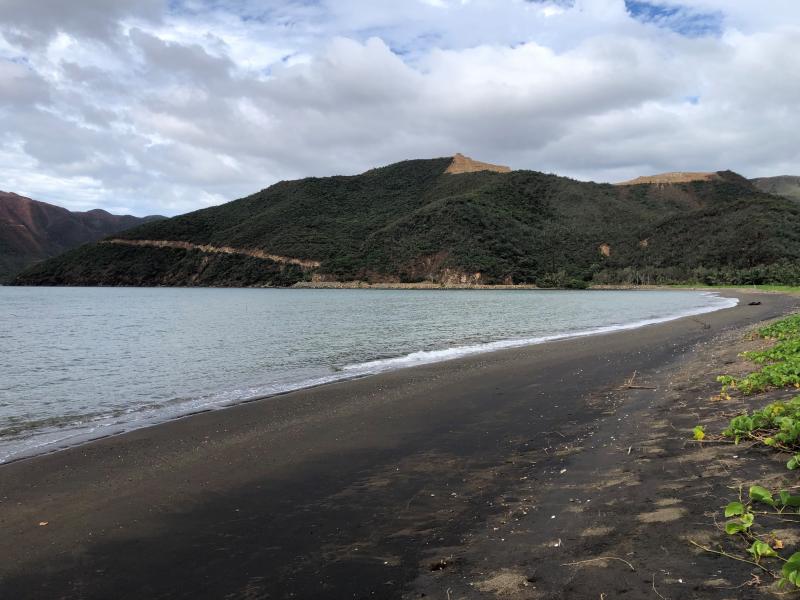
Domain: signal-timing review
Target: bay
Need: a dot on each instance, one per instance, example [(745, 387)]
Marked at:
[(81, 363)]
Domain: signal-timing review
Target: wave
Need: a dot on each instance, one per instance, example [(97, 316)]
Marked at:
[(433, 356)]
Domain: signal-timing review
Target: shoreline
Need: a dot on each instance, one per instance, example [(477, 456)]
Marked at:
[(361, 486), (367, 368), (431, 285), (364, 285)]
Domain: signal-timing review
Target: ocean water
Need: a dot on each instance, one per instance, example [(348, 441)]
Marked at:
[(81, 363)]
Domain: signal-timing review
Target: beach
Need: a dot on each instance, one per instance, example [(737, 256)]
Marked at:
[(493, 475)]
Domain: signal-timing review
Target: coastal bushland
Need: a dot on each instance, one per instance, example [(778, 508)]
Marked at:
[(413, 222), (753, 518)]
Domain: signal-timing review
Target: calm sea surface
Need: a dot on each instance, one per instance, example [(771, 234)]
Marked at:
[(80, 363)]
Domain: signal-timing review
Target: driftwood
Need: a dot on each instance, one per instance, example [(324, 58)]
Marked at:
[(582, 562), (630, 385)]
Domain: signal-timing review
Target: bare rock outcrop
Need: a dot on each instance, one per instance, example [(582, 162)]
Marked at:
[(673, 177), (464, 164)]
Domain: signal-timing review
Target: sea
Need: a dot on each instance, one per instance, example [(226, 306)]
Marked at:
[(82, 363)]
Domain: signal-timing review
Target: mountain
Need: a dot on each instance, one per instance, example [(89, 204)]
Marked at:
[(419, 220), (31, 231), (783, 185)]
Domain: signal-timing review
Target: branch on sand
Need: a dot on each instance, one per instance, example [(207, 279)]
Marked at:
[(599, 558), (630, 385)]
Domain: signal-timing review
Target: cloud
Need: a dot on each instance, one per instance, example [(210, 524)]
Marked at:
[(34, 23), (20, 86), (155, 107)]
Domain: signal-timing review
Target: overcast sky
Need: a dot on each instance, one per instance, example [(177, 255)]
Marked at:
[(166, 106)]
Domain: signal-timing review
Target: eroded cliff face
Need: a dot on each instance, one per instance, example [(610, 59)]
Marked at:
[(673, 177), (458, 277), (464, 164)]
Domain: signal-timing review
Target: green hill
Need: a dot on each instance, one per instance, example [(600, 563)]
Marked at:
[(415, 221), (782, 185)]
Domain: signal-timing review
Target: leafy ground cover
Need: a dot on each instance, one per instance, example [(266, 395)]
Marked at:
[(753, 519), (781, 362)]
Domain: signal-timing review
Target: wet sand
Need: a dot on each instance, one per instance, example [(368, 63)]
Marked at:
[(481, 477)]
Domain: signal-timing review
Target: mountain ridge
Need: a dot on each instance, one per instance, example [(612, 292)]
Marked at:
[(414, 221), (32, 230)]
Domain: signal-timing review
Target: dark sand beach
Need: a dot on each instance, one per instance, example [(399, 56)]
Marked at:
[(482, 477)]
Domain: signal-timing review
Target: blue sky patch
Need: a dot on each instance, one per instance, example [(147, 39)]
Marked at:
[(678, 18)]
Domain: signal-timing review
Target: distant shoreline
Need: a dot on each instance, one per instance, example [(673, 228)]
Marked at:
[(359, 285), (430, 285)]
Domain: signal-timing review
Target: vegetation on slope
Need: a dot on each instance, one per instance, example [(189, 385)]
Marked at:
[(110, 264), (782, 185), (412, 222)]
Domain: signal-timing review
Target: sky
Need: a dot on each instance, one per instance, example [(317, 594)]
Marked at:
[(166, 106)]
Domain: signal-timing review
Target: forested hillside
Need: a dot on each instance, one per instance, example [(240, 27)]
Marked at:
[(413, 221)]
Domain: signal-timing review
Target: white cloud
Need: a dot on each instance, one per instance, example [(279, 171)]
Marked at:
[(157, 108)]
